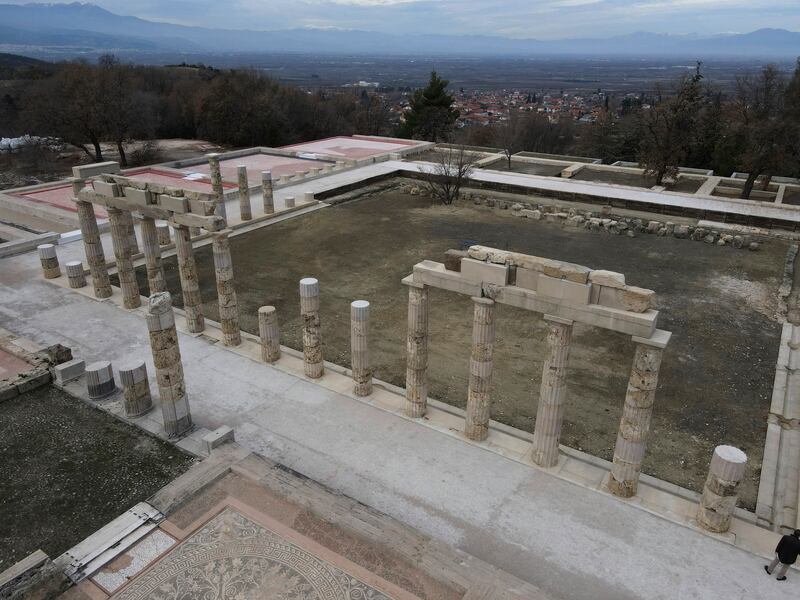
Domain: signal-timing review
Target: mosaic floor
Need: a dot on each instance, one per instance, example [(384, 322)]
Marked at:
[(233, 557)]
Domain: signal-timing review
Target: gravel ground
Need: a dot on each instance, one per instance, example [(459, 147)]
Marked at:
[(67, 469)]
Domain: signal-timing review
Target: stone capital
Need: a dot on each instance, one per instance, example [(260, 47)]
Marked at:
[(559, 320), (659, 339)]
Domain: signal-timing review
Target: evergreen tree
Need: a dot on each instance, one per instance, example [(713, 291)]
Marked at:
[(432, 115)]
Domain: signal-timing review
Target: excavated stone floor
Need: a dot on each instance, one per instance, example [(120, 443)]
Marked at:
[(720, 303)]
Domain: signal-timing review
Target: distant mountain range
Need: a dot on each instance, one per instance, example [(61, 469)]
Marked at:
[(86, 28)]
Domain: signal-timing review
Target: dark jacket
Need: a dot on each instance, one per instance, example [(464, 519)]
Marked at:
[(788, 549)]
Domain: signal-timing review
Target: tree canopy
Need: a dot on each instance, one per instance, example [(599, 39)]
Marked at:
[(431, 116)]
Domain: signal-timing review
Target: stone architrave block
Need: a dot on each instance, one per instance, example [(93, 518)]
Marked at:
[(66, 372), (218, 437), (553, 268), (143, 197), (434, 274), (106, 189), (607, 278), (85, 171), (563, 289), (484, 272), (175, 204), (527, 278), (631, 298)]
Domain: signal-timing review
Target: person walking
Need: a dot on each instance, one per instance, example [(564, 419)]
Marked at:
[(786, 553)]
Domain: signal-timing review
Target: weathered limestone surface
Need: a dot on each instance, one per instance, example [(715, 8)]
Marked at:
[(95, 257), (152, 256), (245, 212), (289, 201), (136, 388), (476, 426), (226, 290), (100, 379), (49, 259), (216, 184), (190, 284), (167, 360), (122, 253), (269, 333), (312, 339), (130, 227), (552, 393), (75, 274), (417, 350), (267, 192), (162, 230), (636, 414), (359, 347), (721, 488)]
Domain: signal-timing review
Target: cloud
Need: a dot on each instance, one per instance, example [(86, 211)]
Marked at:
[(543, 19)]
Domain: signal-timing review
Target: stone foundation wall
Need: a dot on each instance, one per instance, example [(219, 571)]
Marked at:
[(604, 220)]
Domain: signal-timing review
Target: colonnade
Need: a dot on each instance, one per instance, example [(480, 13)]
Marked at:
[(637, 410)]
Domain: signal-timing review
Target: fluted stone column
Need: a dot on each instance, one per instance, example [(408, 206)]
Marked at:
[(721, 488), (75, 274), (226, 291), (476, 426), (359, 347), (552, 393), (267, 193), (312, 339), (49, 259), (216, 184), (636, 414), (95, 257), (245, 212), (167, 360), (100, 380), (190, 283), (122, 253), (130, 227), (417, 350), (152, 256), (195, 231), (162, 231), (269, 333), (135, 388)]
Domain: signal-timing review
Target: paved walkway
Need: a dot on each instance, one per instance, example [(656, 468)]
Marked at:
[(571, 542)]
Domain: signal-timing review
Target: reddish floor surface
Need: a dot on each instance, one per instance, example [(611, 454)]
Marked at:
[(11, 366), (351, 148), (255, 163), (59, 195)]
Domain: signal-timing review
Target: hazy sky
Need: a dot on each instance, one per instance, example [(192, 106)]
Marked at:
[(544, 19)]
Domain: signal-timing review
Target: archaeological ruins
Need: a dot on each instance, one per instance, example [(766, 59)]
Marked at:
[(413, 400)]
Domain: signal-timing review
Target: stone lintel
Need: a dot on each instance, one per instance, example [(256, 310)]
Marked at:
[(659, 339), (482, 300), (101, 168), (641, 324), (555, 319)]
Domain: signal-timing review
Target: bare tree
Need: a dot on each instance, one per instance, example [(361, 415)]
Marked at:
[(759, 123), (667, 129), (453, 167), (509, 135)]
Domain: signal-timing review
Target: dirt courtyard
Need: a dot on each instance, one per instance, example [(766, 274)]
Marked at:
[(720, 303)]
